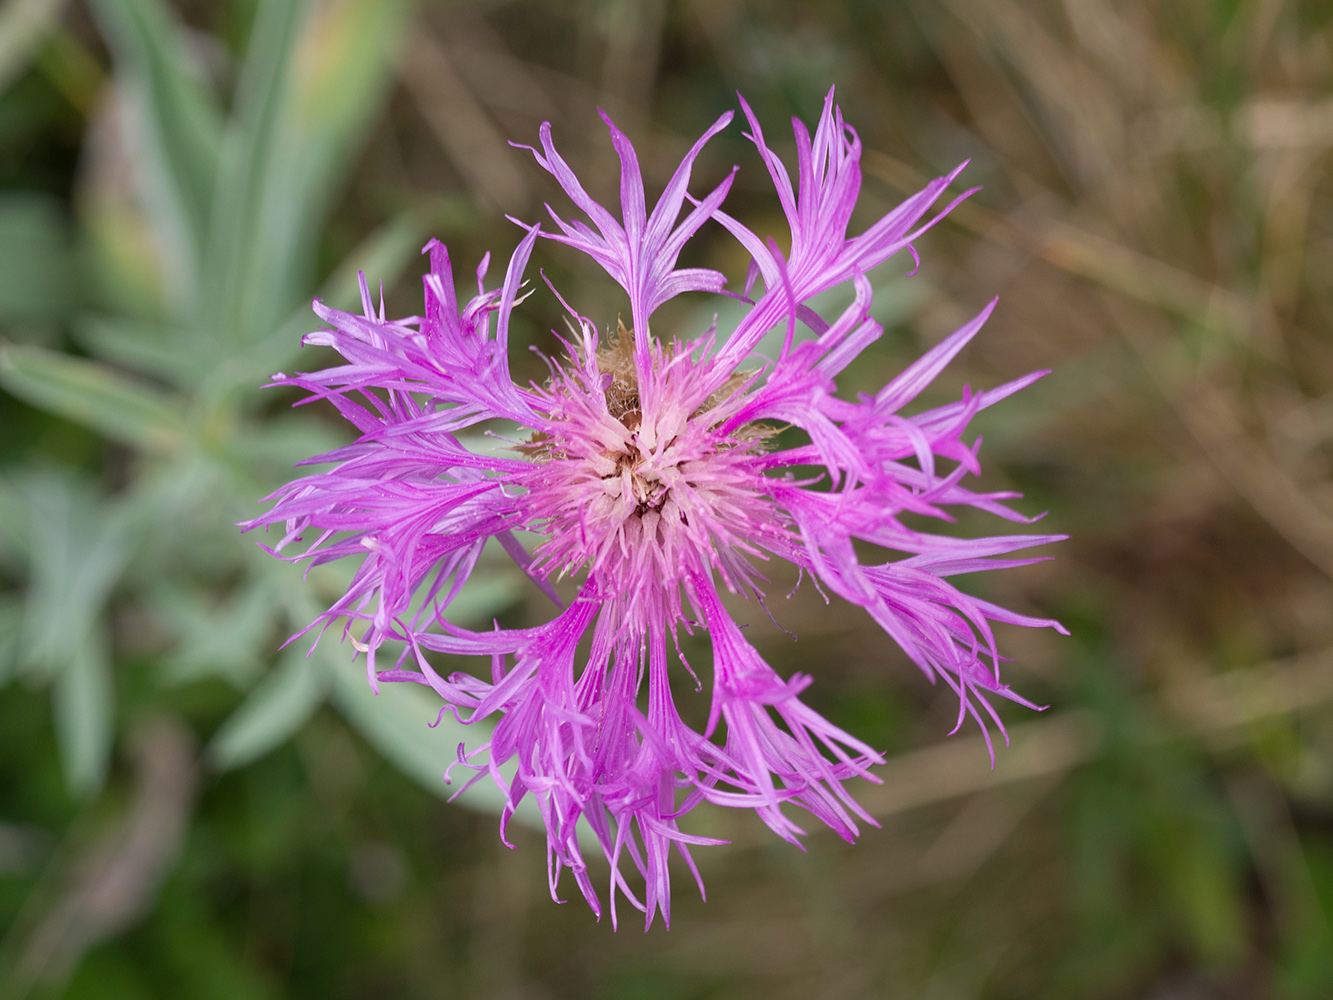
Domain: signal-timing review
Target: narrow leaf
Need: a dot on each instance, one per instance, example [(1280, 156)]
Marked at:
[(146, 347), (79, 547), (311, 82), (15, 541), (36, 272), (398, 721), (218, 640), (238, 295), (84, 711), (93, 395), (11, 625), (278, 706), (23, 29), (273, 448), (401, 722), (179, 126)]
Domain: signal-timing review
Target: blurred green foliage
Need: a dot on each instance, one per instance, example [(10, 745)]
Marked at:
[(187, 810)]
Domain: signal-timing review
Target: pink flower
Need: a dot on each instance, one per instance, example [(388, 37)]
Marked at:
[(652, 472)]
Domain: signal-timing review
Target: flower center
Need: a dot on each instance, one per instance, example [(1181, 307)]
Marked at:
[(655, 488), (636, 478), (635, 498)]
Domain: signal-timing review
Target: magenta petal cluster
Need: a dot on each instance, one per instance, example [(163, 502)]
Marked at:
[(652, 472)]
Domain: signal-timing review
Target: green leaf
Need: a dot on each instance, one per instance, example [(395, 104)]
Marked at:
[(124, 269), (278, 706), (272, 448), (1209, 898), (235, 297), (179, 130), (400, 722), (146, 347), (93, 395), (36, 272), (218, 640), (403, 722), (15, 541), (79, 547), (343, 71), (311, 81), (84, 711), (11, 626), (234, 381)]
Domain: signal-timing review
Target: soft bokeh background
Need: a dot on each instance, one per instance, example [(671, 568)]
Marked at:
[(185, 812)]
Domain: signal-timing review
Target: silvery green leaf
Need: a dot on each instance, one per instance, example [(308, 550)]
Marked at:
[(343, 73), (279, 705), (14, 538), (94, 395), (36, 270), (11, 625), (218, 640), (79, 547), (238, 295), (274, 447), (84, 703), (308, 88), (178, 130), (403, 722), (146, 347), (237, 376)]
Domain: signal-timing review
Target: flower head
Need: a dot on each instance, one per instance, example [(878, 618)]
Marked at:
[(652, 472)]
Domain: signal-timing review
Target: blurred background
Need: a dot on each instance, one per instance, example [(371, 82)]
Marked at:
[(187, 812)]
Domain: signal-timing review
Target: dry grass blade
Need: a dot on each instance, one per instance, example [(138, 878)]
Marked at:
[(1110, 264), (464, 129), (1278, 123), (961, 766), (633, 47), (1205, 410), (979, 829), (1275, 845), (1216, 708), (115, 881), (1209, 414), (1220, 707)]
